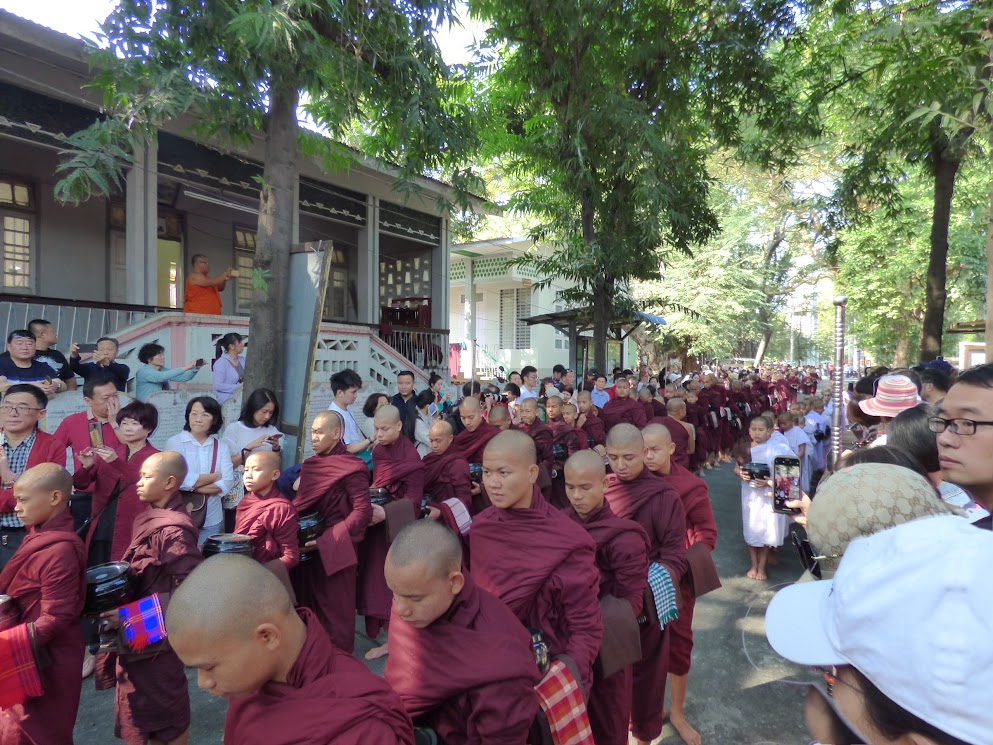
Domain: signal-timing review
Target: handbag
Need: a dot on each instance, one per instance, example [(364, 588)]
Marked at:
[(621, 643), (196, 503)]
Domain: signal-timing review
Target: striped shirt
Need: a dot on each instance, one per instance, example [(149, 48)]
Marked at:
[(17, 462)]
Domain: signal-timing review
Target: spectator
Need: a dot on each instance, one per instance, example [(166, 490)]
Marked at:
[(345, 386), (529, 387), (102, 364), (557, 373), (569, 379), (255, 430), (515, 378), (374, 403), (934, 384), (964, 426), (425, 402), (45, 351), (909, 612), (405, 397), (20, 366), (23, 446), (154, 376), (436, 383), (229, 367), (203, 292), (599, 395), (207, 458), (102, 405)]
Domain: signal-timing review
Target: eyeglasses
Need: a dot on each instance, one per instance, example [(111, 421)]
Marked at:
[(19, 409), (956, 426)]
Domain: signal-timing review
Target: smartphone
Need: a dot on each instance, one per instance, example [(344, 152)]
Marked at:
[(806, 552), (785, 484), (96, 434), (87, 347), (48, 381), (200, 362)]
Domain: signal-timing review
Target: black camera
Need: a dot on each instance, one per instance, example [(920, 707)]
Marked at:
[(757, 471)]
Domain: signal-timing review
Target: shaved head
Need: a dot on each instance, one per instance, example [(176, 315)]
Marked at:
[(585, 482), (626, 451), (659, 448), (387, 414), (470, 404), (329, 419), (168, 463), (441, 428), (440, 437), (512, 443), (430, 543), (529, 403), (265, 459), (623, 435), (657, 432), (47, 477), (586, 460), (675, 406)]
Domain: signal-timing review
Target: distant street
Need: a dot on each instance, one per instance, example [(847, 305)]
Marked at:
[(729, 701)]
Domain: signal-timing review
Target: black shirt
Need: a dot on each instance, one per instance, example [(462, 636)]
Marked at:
[(36, 373), (57, 362), (115, 371)]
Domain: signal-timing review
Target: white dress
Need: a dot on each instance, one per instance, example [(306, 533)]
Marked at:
[(760, 525)]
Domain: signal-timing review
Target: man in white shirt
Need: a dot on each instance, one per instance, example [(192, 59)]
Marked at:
[(529, 389), (345, 386)]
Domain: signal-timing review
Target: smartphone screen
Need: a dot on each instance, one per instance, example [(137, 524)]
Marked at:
[(96, 434), (87, 347), (786, 483)]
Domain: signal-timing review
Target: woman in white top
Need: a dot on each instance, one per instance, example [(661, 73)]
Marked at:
[(252, 432), (229, 367), (207, 458), (425, 399)]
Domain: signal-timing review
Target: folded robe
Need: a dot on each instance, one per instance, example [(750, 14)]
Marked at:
[(543, 566), (46, 578), (271, 521), (470, 675), (328, 697)]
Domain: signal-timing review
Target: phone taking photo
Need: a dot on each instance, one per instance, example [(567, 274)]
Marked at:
[(785, 484), (96, 434)]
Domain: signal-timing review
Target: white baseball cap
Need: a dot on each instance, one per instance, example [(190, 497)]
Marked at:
[(912, 609)]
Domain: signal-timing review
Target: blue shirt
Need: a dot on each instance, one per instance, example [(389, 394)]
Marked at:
[(600, 398), (36, 372)]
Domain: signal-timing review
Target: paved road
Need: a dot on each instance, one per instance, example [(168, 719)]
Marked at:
[(732, 701)]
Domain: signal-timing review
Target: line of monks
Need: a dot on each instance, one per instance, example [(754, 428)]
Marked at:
[(552, 596)]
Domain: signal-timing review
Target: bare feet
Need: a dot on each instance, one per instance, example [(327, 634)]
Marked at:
[(376, 652), (761, 576), (89, 664), (752, 574), (690, 736)]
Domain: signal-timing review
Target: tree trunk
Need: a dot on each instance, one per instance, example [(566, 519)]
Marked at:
[(901, 355), (603, 292), (763, 346), (272, 248), (989, 275), (945, 170)]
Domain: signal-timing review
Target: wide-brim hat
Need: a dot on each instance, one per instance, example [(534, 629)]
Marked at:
[(894, 393)]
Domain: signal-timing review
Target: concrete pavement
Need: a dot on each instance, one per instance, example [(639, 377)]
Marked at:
[(734, 697)]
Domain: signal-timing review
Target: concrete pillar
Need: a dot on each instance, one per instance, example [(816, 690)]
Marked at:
[(470, 317), (440, 277), (368, 265), (142, 228)]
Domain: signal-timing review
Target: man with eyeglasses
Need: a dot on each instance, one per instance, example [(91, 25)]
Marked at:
[(20, 365), (22, 446), (964, 428)]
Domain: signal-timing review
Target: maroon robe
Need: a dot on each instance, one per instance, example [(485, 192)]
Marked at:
[(335, 484), (101, 480), (446, 476), (153, 698), (397, 468), (543, 566), (543, 438), (328, 697), (271, 521), (658, 409), (697, 416), (622, 559), (655, 505), (700, 528), (470, 445), (470, 675), (566, 436), (620, 410), (680, 438), (47, 580), (594, 427)]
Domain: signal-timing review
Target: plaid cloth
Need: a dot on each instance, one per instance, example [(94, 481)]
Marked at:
[(17, 462), (142, 622), (19, 678), (562, 701), (664, 592)]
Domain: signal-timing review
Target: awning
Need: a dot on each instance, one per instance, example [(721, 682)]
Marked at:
[(581, 319)]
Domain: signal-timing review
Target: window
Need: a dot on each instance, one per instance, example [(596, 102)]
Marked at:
[(335, 304), (15, 198), (515, 306), (244, 262), (561, 338)]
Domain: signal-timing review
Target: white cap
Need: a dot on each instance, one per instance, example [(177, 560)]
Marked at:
[(912, 609)]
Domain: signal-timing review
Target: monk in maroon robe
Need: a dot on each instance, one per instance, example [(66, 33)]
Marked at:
[(153, 699), (286, 684), (700, 528), (459, 658), (566, 442), (265, 514), (623, 409), (636, 493), (570, 415), (589, 421), (622, 559), (46, 578), (534, 558), (682, 433), (470, 442), (538, 431), (397, 468), (446, 472), (334, 483)]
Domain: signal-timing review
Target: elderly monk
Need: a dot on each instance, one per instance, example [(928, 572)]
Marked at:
[(470, 442), (622, 559), (46, 578), (623, 409), (153, 698), (286, 684), (636, 493), (265, 514), (334, 483), (565, 436), (500, 418), (534, 558), (460, 660), (683, 434), (544, 441), (397, 468), (590, 422), (446, 479), (700, 529)]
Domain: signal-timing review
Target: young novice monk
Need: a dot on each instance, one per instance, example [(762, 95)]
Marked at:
[(622, 558), (232, 619), (153, 698), (265, 514), (46, 579), (459, 658)]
